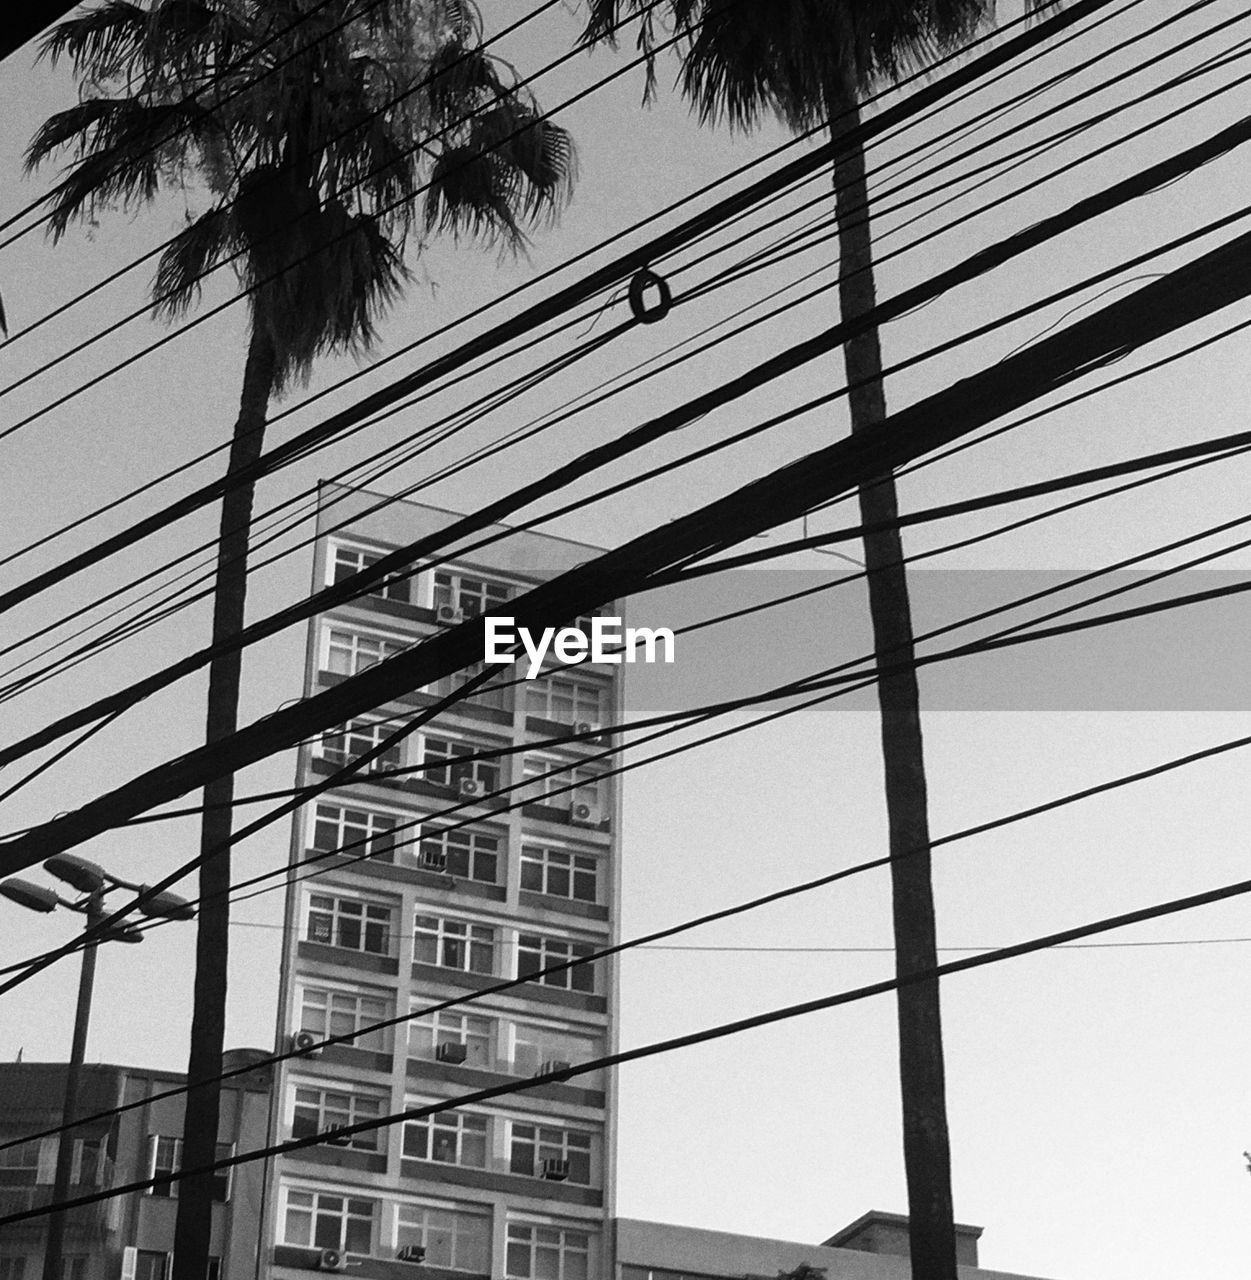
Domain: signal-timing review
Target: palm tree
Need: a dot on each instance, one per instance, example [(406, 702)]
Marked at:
[(307, 138), (810, 62)]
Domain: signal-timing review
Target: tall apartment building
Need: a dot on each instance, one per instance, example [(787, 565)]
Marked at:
[(430, 908)]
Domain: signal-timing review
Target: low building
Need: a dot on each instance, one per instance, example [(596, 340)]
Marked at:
[(129, 1237), (874, 1247)]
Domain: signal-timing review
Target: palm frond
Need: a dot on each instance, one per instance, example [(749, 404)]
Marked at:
[(536, 157), (201, 245), (468, 194), (460, 76), (123, 144), (103, 39), (193, 35)]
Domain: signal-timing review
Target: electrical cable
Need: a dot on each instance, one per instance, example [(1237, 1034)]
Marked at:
[(1206, 285), (982, 261), (805, 685), (1048, 941), (703, 289), (215, 78), (588, 286), (724, 913), (992, 78), (203, 316)]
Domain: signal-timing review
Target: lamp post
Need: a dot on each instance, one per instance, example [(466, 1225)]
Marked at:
[(93, 882)]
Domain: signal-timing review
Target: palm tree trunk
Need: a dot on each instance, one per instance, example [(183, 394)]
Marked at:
[(927, 1156), (193, 1228)]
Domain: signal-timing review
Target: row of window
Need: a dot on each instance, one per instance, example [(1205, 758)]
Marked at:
[(462, 1138), (357, 924), (469, 593), (563, 699), (33, 1163), (467, 853), (577, 787), (73, 1267), (137, 1264), (456, 1236), (487, 1042)]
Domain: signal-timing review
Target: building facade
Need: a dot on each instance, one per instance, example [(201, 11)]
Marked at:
[(452, 877), (874, 1247), (129, 1237)]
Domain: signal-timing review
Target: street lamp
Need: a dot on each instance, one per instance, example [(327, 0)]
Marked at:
[(93, 882)]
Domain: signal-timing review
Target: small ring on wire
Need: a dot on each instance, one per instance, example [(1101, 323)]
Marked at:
[(644, 279)]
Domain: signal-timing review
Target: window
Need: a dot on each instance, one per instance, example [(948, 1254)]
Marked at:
[(320, 1110), (454, 944), (559, 872), (351, 923), (563, 783), (328, 1013), (320, 1220), (486, 772), (531, 1145), (356, 832), (546, 1253), (499, 698), (458, 1238), (470, 595), (564, 700), (88, 1162), (471, 855), (450, 1137), (29, 1162), (140, 1264), (536, 952), (11, 1267), (345, 561), (534, 1045), (426, 1035), (165, 1157), (350, 741), (148, 1265), (347, 653)]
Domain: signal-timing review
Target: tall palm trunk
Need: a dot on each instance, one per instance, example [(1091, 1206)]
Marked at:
[(927, 1157), (193, 1228)]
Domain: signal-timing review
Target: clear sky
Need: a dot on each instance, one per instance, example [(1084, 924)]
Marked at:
[(1098, 1096)]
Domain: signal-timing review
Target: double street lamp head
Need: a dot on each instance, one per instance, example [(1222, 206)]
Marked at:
[(92, 880)]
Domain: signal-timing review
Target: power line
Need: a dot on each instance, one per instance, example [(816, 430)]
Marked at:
[(118, 637), (215, 79), (551, 307), (1205, 285), (720, 1031), (983, 261)]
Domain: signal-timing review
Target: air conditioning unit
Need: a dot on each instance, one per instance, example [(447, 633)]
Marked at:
[(589, 726), (451, 1051), (307, 1043), (471, 787), (330, 1260), (432, 859), (553, 1065), (411, 1253), (449, 615), (554, 1169), (337, 1139), (585, 815)]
